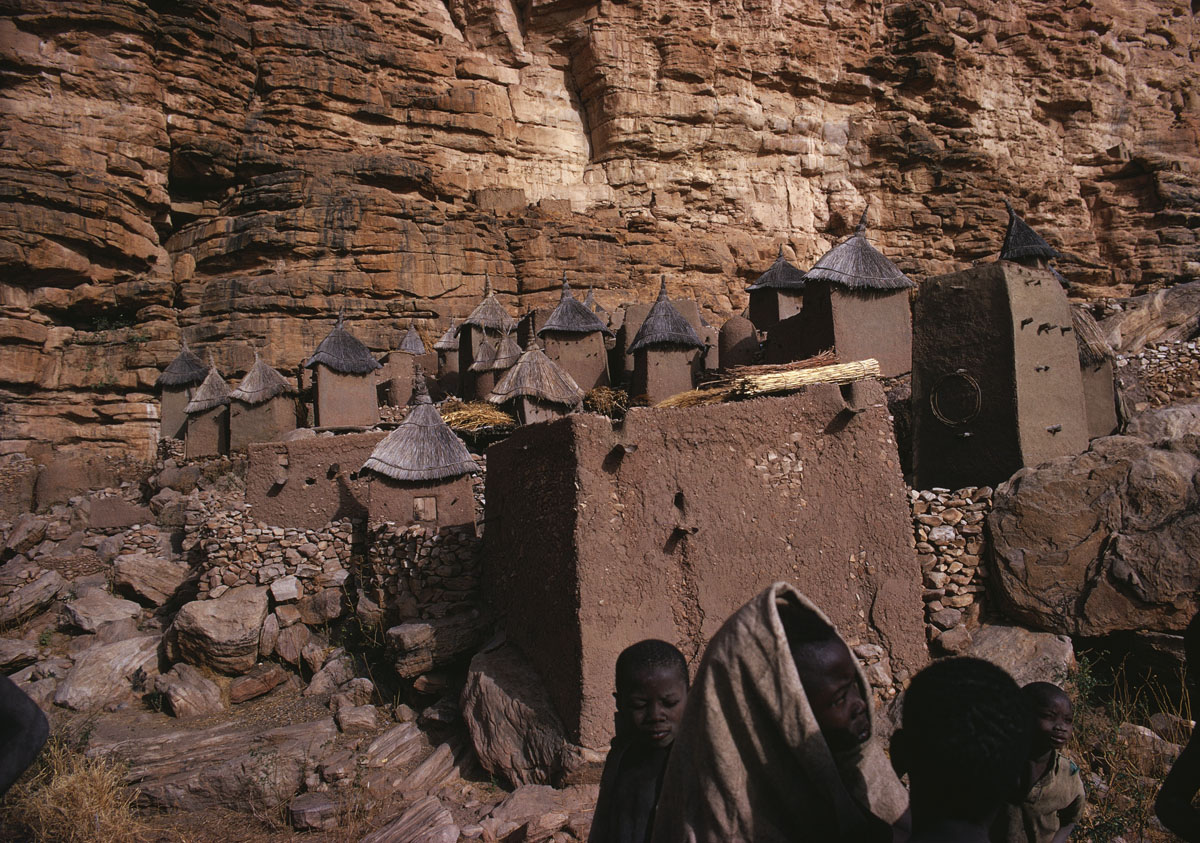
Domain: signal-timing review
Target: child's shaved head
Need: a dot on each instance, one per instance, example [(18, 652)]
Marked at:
[(645, 655), (1044, 693), (830, 678)]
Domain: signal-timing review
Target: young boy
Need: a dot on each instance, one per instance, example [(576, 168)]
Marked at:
[(1174, 804), (1052, 785), (964, 737), (652, 686), (775, 743)]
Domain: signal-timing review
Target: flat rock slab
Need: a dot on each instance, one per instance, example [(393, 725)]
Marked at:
[(98, 607), (233, 766), (223, 634), (115, 513), (1028, 656), (15, 654), (26, 589), (421, 646), (189, 692), (105, 674), (426, 821), (149, 577), (314, 812), (541, 810), (261, 679)]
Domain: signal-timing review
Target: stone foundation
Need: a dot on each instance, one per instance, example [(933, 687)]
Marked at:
[(421, 572)]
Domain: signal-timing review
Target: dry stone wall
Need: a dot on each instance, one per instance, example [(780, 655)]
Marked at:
[(238, 171), (420, 572)]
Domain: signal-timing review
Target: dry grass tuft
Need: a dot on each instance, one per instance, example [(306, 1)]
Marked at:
[(607, 401), (476, 417), (70, 798)]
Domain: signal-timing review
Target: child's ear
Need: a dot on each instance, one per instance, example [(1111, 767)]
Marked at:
[(900, 752)]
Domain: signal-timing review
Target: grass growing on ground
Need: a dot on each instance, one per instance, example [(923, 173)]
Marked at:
[(67, 797), (1122, 783)]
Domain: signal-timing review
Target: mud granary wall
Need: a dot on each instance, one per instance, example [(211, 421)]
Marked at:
[(597, 538)]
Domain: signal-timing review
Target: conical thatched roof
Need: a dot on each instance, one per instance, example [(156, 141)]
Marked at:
[(411, 344), (422, 447), (857, 265), (591, 304), (1093, 348), (781, 276), (343, 352), (508, 352), (489, 313), (261, 384), (537, 376), (185, 370), (572, 316), (449, 340), (485, 355), (1021, 241), (212, 393), (665, 325)]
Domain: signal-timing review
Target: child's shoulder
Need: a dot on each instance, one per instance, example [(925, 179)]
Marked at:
[(1065, 766)]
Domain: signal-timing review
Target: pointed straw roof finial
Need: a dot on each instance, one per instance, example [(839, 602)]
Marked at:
[(665, 325), (185, 370), (489, 314), (780, 276), (422, 447), (854, 264), (861, 229), (572, 316), (420, 390), (1021, 241), (411, 342), (342, 352), (261, 383), (214, 392)]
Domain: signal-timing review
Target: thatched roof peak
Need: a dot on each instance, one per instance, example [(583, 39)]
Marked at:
[(665, 325), (343, 352), (449, 340), (261, 384), (1022, 242), (411, 344), (508, 352), (186, 369), (594, 306), (780, 276), (214, 392), (422, 447), (489, 314), (572, 316), (537, 376), (485, 355), (857, 265)]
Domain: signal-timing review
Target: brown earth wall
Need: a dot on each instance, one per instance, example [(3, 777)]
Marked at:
[(388, 500), (345, 400), (660, 373), (877, 325), (1100, 400), (583, 356), (208, 433), (174, 419), (265, 422), (598, 538)]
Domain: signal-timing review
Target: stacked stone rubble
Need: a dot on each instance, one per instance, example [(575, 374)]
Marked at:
[(948, 528), (419, 572)]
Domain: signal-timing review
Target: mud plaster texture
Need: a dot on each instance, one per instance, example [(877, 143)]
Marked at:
[(666, 526), (856, 325)]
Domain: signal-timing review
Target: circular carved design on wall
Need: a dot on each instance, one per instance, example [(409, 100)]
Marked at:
[(955, 399)]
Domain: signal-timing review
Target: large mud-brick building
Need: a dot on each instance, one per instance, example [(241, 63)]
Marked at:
[(574, 339), (778, 294), (177, 383), (344, 381), (262, 408)]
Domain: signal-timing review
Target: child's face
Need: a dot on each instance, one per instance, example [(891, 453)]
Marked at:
[(654, 704), (831, 683), (1054, 720)]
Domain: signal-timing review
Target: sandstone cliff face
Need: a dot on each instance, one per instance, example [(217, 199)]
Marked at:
[(241, 170)]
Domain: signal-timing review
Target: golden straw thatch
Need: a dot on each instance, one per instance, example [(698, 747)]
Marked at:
[(411, 344), (857, 265), (185, 370), (261, 384), (422, 447), (1093, 347), (775, 382), (489, 314), (212, 393), (342, 352), (476, 417), (572, 316), (664, 325), (780, 276)]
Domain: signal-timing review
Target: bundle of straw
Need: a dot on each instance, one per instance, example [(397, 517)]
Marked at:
[(476, 417), (770, 380)]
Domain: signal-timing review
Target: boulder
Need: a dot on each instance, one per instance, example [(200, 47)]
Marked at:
[(189, 693), (1166, 423), (109, 674), (394, 748), (113, 513), (513, 726), (15, 654), (426, 821), (1028, 656), (262, 679), (314, 812), (539, 809), (99, 607), (286, 590), (1162, 316), (431, 773), (357, 718), (420, 646), (322, 607), (148, 577), (1152, 755), (26, 589), (338, 669), (1103, 541), (26, 533), (223, 634), (289, 643)]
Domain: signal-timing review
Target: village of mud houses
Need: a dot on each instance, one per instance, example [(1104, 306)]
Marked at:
[(374, 372)]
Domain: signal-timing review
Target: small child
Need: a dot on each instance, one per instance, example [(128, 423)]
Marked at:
[(1053, 788), (775, 743), (964, 737), (652, 686), (1174, 804)]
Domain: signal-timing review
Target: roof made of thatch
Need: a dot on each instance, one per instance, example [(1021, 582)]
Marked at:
[(595, 306), (857, 265), (185, 370), (212, 393), (485, 355), (489, 313), (537, 376), (573, 316), (1093, 347), (1021, 241), (343, 352), (781, 276), (449, 340), (411, 344), (665, 325), (422, 447), (508, 352), (261, 384)]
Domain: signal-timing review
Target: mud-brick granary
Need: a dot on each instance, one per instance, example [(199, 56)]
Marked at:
[(208, 417), (177, 383), (666, 352), (420, 472), (574, 339), (344, 381), (1096, 367), (400, 365), (488, 321), (737, 343), (262, 408), (495, 358), (856, 303), (537, 389), (1023, 245), (778, 294), (447, 360)]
